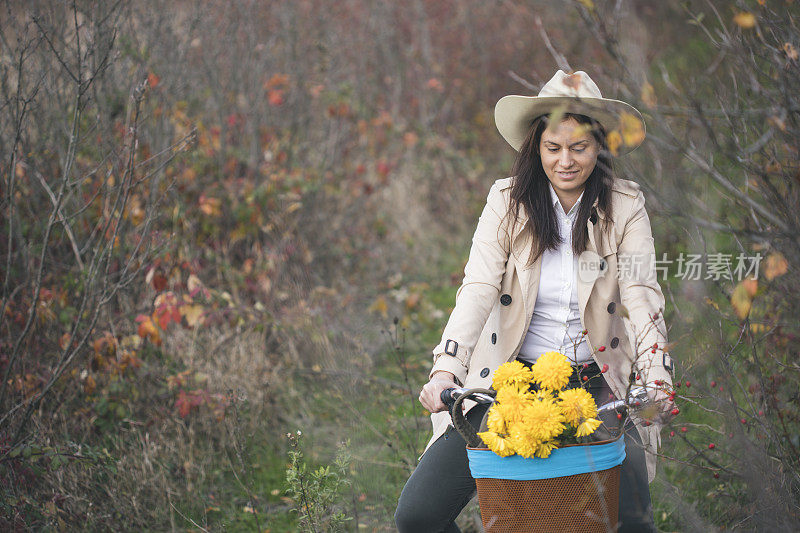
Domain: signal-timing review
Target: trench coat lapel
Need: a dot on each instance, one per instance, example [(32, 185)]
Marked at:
[(590, 262), (528, 273)]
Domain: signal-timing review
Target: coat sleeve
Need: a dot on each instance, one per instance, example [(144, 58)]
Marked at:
[(641, 296), (478, 292)]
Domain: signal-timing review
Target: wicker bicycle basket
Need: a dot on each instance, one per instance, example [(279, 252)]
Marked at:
[(575, 489)]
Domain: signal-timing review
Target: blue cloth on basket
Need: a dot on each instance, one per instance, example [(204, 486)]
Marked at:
[(562, 462)]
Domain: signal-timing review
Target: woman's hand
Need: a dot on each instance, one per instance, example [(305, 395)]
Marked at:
[(430, 394)]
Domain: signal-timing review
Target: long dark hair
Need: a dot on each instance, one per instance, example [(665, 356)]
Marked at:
[(530, 190)]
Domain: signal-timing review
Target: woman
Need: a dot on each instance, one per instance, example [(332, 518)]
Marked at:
[(562, 259)]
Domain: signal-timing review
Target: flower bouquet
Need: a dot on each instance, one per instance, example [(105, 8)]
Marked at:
[(534, 462)]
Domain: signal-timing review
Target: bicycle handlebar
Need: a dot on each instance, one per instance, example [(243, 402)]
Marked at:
[(449, 396), (637, 397)]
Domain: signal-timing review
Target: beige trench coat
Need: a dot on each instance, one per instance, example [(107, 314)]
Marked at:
[(618, 294)]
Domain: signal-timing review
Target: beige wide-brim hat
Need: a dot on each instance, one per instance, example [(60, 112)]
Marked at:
[(571, 93)]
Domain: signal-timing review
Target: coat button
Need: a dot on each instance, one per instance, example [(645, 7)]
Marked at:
[(505, 299), (615, 342), (494, 338), (484, 372), (611, 308)]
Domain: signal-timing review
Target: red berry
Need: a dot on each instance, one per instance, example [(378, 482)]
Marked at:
[(675, 411), (585, 378), (655, 345), (712, 446), (671, 433), (605, 369), (601, 349), (761, 413), (585, 365), (713, 384), (658, 382), (584, 332), (743, 421), (684, 429), (720, 388), (716, 475), (619, 416), (653, 350), (638, 377), (647, 423), (688, 383), (678, 385)]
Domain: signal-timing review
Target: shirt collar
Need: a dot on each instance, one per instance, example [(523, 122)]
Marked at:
[(554, 198)]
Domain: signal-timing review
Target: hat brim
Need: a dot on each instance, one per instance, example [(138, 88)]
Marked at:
[(513, 115)]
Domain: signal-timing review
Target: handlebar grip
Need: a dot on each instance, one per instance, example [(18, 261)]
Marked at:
[(447, 397)]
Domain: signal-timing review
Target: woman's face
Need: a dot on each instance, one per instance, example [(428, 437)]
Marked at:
[(569, 153)]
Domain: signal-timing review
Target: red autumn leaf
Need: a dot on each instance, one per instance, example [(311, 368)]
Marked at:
[(187, 401), (156, 279), (277, 80), (435, 84), (183, 404), (147, 329), (166, 309), (152, 80), (275, 97)]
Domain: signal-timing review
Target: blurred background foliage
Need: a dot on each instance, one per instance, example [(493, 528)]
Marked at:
[(227, 221)]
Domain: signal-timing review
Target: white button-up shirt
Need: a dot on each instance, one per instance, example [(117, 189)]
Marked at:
[(556, 323)]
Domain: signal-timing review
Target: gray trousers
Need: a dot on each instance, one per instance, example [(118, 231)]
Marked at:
[(441, 485)]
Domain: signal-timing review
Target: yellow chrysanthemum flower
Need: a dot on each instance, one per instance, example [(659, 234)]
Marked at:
[(523, 444), (511, 372), (587, 427), (513, 397), (495, 421), (498, 444), (552, 370), (577, 405), (543, 419), (544, 449)]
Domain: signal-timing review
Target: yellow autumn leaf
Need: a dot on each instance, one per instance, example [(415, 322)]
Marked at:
[(614, 141), (741, 300), (556, 115), (745, 20), (380, 306), (648, 95), (775, 265), (751, 286), (193, 314), (791, 51), (632, 129), (210, 206), (193, 283)]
